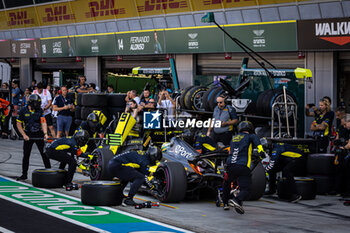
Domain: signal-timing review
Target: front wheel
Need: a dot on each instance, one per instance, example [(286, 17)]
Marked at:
[(172, 180), (98, 168)]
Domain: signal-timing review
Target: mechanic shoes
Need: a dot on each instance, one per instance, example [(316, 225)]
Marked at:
[(22, 177), (129, 202), (237, 205), (70, 187), (226, 207), (295, 199)]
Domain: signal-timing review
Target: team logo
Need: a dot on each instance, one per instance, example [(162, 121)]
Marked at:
[(258, 32), (192, 35), (152, 120)]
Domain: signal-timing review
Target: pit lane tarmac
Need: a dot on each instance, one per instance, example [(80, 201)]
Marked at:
[(324, 214)]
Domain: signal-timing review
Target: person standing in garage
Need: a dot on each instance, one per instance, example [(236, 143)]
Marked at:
[(238, 165), (228, 117), (82, 87)]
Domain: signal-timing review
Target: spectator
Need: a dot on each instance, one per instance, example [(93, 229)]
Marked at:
[(133, 109), (132, 95), (33, 86), (46, 102), (92, 87), (228, 117), (82, 87), (110, 89), (16, 95), (4, 93), (25, 97), (166, 102), (55, 93), (63, 105)]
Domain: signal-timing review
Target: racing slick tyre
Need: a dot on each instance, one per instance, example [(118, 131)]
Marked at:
[(306, 187), (212, 99), (102, 193), (77, 122), (48, 178), (206, 97), (79, 99), (172, 180), (324, 184), (321, 164), (258, 183), (77, 112), (72, 96), (193, 98), (116, 100), (85, 111), (94, 100), (269, 97), (182, 97), (98, 169)]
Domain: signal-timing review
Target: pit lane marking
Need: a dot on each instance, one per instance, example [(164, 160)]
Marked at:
[(4, 230)]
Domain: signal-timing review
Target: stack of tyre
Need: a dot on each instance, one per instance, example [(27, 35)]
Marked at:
[(192, 98), (322, 169), (109, 104)]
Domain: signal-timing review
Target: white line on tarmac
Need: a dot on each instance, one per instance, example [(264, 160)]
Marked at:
[(77, 199), (4, 230)]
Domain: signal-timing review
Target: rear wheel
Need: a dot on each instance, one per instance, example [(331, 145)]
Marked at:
[(172, 180), (258, 183), (98, 169)]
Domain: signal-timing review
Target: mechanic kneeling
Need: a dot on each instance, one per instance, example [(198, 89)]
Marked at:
[(64, 149), (238, 165), (133, 167), (94, 125), (284, 157)]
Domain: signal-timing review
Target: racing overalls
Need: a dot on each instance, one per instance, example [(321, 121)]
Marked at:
[(31, 123), (239, 165), (63, 150), (130, 167), (322, 136), (284, 157)]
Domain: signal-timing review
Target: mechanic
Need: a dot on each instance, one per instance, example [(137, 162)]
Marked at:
[(94, 125), (46, 101), (228, 117), (133, 167), (204, 144), (64, 106), (238, 165), (64, 149), (322, 125), (342, 162), (31, 123), (284, 157), (82, 87), (5, 117)]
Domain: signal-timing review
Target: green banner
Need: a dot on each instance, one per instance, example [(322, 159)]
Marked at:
[(5, 48), (60, 47), (149, 42), (95, 45), (271, 37), (201, 40)]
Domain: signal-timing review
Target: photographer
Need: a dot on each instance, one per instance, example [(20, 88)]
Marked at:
[(165, 101)]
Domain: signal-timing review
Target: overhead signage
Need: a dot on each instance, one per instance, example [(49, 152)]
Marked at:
[(25, 48), (324, 34), (148, 42), (5, 48), (95, 45), (79, 11)]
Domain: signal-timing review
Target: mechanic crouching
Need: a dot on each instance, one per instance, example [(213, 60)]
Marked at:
[(64, 150), (238, 165), (284, 157), (133, 167)]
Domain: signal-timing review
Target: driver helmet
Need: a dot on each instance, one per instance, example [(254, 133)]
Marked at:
[(34, 101), (264, 143), (92, 121), (81, 137), (245, 126), (154, 154)]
